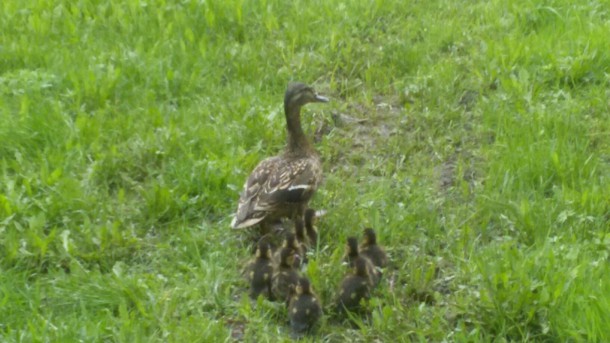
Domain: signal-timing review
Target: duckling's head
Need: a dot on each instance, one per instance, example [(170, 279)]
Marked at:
[(360, 267), (303, 287), (287, 257), (291, 241), (370, 237), (263, 249), (352, 246), (299, 94)]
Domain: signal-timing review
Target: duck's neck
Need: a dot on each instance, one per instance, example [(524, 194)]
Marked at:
[(297, 142)]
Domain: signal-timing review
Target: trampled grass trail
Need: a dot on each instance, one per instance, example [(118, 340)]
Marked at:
[(474, 136)]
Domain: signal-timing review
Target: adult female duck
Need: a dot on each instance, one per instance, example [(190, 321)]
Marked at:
[(281, 186)]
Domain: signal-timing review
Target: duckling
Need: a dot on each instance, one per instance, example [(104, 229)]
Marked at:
[(310, 220), (353, 253), (291, 242), (372, 250), (306, 244), (260, 271), (285, 275), (355, 287), (281, 186), (304, 308), (299, 231)]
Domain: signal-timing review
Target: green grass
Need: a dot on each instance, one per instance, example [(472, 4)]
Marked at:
[(128, 128)]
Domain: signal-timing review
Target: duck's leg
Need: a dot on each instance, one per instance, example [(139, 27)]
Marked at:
[(310, 217)]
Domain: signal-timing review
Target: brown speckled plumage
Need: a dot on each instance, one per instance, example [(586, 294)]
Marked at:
[(355, 287), (281, 186), (304, 242), (373, 251), (259, 272), (304, 308), (285, 276), (290, 242), (353, 253)]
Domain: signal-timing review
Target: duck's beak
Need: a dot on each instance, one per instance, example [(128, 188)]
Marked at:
[(320, 98)]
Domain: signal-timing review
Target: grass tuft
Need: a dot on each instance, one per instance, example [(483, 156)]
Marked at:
[(473, 136)]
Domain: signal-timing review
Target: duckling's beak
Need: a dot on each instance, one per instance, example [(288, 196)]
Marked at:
[(298, 260), (319, 98)]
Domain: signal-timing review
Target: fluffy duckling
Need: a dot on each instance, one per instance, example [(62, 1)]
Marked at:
[(369, 248), (355, 287), (310, 221), (285, 276), (353, 253), (304, 308), (291, 242), (259, 272), (281, 186), (299, 231)]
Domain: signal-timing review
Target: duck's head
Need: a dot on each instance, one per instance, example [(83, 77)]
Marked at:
[(360, 267), (287, 257), (263, 250), (352, 246), (303, 287), (370, 237), (299, 94), (291, 241)]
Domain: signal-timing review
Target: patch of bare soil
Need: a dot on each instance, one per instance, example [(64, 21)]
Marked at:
[(361, 130), (448, 174), (238, 329)]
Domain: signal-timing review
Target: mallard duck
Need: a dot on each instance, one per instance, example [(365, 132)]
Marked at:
[(304, 308), (353, 253), (281, 186), (291, 242), (285, 276), (259, 272), (355, 286), (372, 250)]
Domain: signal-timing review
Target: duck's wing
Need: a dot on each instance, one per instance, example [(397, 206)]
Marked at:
[(273, 183), (245, 216), (293, 182)]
